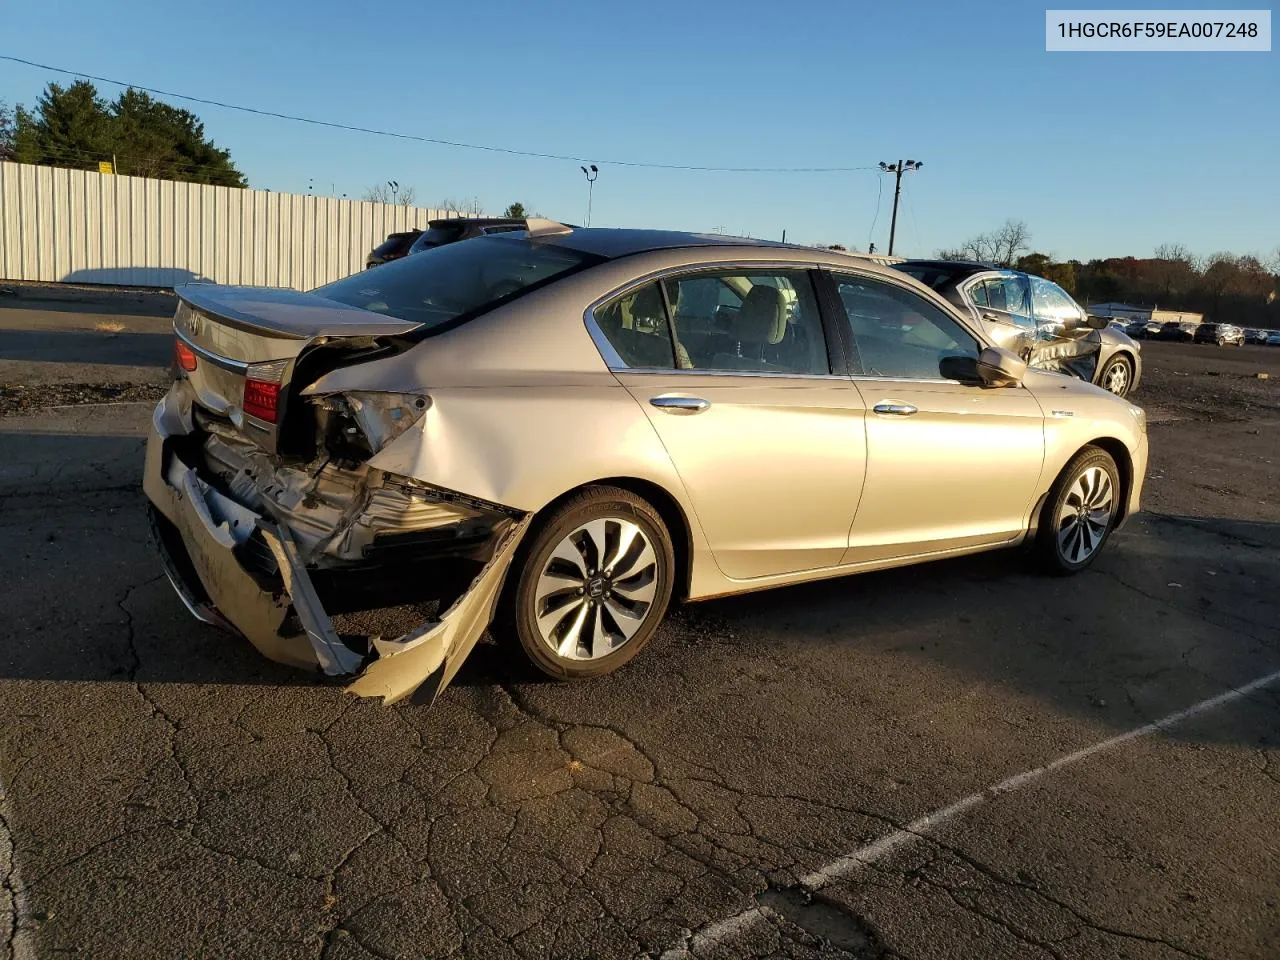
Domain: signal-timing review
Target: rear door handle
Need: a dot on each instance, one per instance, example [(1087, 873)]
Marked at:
[(683, 406), (891, 409)]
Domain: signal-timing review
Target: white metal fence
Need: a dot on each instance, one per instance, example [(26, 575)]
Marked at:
[(76, 226)]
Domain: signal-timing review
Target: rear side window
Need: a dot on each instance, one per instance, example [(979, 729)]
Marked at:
[(635, 324), (447, 283), (737, 321), (745, 321)]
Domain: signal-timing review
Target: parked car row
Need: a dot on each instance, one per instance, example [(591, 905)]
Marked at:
[(1222, 334)]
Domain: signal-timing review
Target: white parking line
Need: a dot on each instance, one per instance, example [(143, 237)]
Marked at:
[(13, 897), (919, 828)]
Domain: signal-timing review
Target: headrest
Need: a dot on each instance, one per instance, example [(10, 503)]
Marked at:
[(763, 316)]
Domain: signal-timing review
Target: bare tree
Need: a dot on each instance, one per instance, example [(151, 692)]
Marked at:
[(1001, 247), (393, 193), (1009, 241), (461, 208)]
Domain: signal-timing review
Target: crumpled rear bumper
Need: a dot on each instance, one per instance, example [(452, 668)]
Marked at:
[(205, 538)]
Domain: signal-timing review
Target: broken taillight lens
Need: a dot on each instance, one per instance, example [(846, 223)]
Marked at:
[(261, 399), (183, 356), (262, 389)]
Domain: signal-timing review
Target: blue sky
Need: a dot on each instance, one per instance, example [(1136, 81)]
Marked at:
[(1102, 154)]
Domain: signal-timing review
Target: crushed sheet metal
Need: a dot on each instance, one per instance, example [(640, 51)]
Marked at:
[(336, 659), (436, 650)]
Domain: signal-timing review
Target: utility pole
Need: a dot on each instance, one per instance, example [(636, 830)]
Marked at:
[(897, 169)]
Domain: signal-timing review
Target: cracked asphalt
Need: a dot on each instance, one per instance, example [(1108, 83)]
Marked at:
[(164, 792)]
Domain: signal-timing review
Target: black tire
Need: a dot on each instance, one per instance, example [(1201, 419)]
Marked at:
[(1118, 360), (516, 620), (1049, 546)]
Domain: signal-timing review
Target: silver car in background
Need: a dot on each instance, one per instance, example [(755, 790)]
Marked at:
[(1038, 320)]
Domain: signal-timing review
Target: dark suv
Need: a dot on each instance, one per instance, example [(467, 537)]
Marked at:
[(393, 248), (1219, 333), (440, 232)]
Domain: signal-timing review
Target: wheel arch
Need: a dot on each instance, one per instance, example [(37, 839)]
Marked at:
[(1124, 463)]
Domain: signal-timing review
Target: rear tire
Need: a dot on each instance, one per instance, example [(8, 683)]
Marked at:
[(1080, 512), (590, 586)]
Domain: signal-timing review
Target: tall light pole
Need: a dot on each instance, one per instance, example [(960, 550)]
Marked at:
[(591, 176), (898, 169)]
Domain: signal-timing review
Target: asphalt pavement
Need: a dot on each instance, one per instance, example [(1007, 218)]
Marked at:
[(963, 759)]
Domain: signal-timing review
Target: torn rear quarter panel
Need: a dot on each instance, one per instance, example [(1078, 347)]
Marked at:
[(219, 494)]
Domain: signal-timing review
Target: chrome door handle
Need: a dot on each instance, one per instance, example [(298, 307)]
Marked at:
[(680, 405), (894, 409)]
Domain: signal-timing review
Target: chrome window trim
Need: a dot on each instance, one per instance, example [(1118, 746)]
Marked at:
[(616, 364), (226, 363), (770, 374)]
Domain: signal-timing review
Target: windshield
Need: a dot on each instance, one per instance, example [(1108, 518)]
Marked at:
[(446, 283)]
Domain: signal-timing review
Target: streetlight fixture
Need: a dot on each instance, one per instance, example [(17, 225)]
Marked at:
[(897, 169), (591, 176)]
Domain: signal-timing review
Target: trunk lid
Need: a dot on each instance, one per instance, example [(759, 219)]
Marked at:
[(240, 334)]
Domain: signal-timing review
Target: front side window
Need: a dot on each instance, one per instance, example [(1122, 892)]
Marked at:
[(897, 333), (449, 282), (747, 321), (1051, 302)]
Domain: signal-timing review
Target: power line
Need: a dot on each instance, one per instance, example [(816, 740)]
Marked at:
[(879, 194), (489, 148)]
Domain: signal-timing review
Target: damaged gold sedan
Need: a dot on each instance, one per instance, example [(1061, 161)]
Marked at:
[(557, 431)]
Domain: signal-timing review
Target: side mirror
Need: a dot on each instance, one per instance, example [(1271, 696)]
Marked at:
[(1000, 368), (1097, 323)]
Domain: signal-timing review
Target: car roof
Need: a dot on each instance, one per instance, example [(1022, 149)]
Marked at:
[(611, 243), (971, 266)]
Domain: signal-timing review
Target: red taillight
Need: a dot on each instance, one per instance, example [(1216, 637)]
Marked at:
[(184, 356), (261, 398)]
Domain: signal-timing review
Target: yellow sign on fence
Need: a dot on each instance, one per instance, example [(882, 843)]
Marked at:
[(104, 166)]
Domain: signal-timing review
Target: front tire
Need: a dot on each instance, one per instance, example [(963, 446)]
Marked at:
[(1080, 512), (1117, 375), (591, 585)]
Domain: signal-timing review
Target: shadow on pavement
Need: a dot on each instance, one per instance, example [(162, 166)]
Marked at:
[(1174, 605)]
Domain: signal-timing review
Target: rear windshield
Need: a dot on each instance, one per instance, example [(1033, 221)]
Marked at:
[(933, 277), (457, 280), (436, 237), (395, 244)]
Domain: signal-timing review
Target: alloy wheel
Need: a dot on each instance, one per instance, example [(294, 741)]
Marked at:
[(1116, 378), (596, 589), (1085, 515)]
